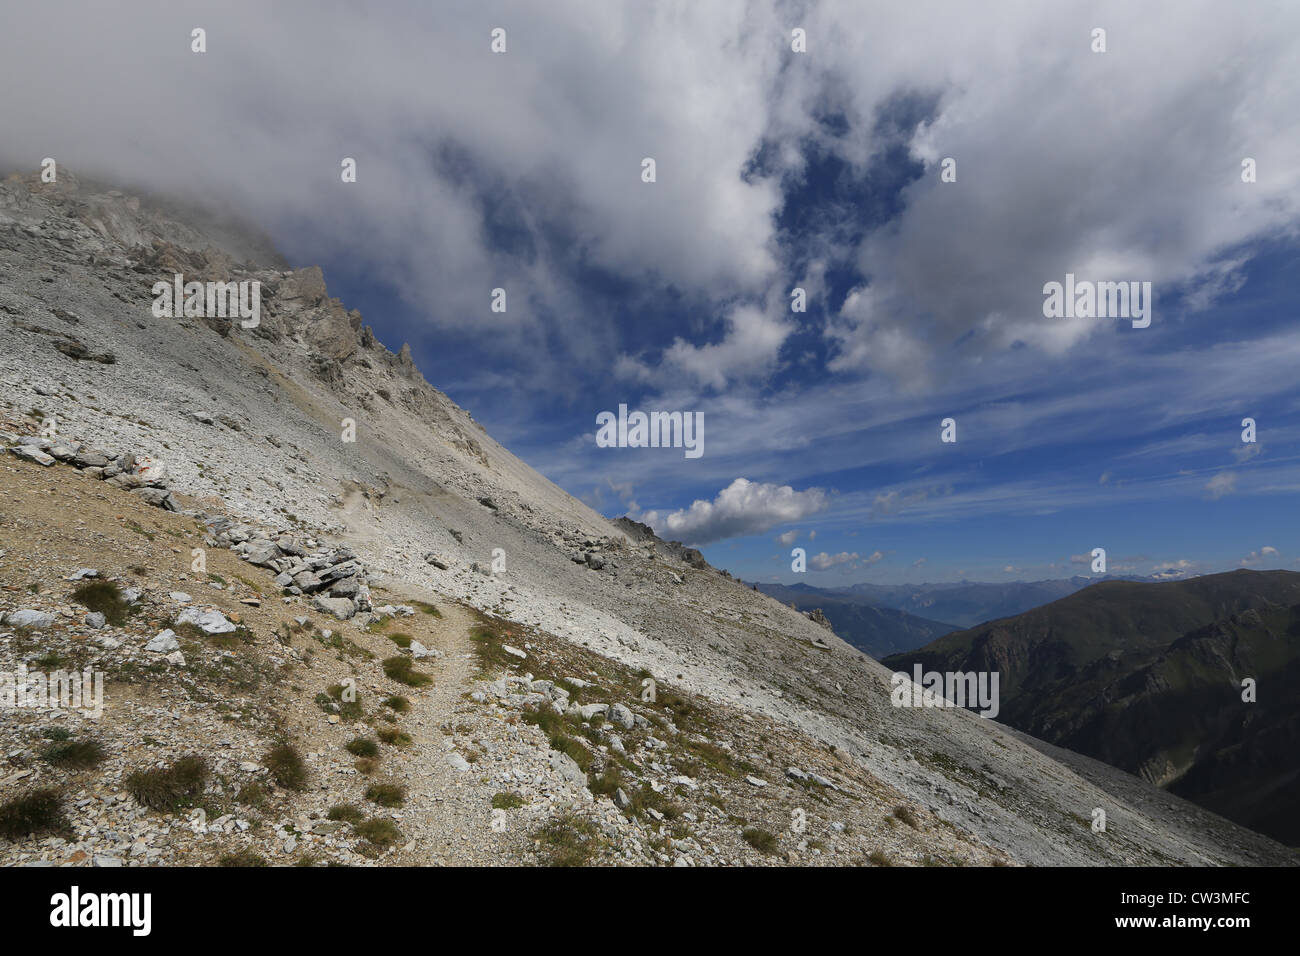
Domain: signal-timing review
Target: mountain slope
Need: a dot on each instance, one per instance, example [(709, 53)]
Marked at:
[(1148, 677), (251, 424)]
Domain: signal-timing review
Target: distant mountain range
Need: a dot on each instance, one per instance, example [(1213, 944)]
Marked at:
[(1148, 678), (878, 631), (884, 619)]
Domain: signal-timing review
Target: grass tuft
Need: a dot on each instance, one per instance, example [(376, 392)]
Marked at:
[(37, 811), (169, 788), (104, 597), (286, 766)]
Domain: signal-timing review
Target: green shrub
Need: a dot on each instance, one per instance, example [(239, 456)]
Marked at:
[(568, 840)]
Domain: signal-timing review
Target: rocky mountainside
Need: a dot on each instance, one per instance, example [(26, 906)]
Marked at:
[(406, 645), (1148, 678)]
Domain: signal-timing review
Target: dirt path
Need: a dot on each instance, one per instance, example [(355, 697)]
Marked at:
[(459, 757)]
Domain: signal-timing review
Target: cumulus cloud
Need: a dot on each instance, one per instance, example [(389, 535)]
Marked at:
[(920, 563), (788, 538), (1257, 557), (824, 561), (742, 508)]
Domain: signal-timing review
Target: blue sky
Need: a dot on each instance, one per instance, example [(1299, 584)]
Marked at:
[(775, 170)]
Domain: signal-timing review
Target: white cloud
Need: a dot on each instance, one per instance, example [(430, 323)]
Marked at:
[(1224, 483), (824, 561), (1257, 557), (467, 161), (789, 537), (742, 508)]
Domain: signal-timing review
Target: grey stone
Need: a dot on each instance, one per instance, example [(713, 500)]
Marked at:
[(341, 608), (164, 642), (32, 453), (26, 617), (567, 768), (622, 716)]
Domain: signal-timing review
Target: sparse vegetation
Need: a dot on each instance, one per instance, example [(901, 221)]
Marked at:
[(286, 766), (507, 801), (386, 794), (349, 812), (169, 788), (74, 754), (104, 597), (242, 858), (393, 737), (397, 703), (905, 814), (401, 670), (332, 702), (36, 812), (380, 831), (568, 840), (362, 747), (759, 839)]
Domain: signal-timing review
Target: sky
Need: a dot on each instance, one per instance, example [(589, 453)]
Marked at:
[(775, 170)]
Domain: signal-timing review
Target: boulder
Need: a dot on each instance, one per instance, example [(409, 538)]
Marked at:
[(164, 642), (32, 453), (341, 608), (26, 617), (209, 622)]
